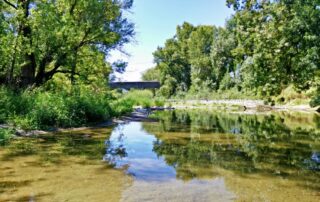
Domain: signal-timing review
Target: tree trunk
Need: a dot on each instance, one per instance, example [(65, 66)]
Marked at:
[(28, 69), (74, 66)]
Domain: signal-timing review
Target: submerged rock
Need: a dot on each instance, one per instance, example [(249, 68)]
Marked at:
[(316, 157)]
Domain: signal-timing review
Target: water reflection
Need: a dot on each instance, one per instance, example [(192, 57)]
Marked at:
[(60, 167), (131, 147), (198, 147), (186, 156), (273, 144)]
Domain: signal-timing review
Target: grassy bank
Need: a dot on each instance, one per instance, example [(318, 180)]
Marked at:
[(40, 109), (288, 96), (5, 135), (47, 109)]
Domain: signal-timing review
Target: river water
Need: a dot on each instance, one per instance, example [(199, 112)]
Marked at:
[(192, 155)]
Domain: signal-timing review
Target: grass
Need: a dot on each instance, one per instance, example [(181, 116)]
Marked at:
[(143, 98), (288, 96), (232, 93), (40, 109), (291, 96), (43, 109), (5, 135)]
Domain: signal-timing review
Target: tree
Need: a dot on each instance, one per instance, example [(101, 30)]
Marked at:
[(222, 58), (277, 43), (200, 44), (152, 74), (50, 37), (173, 60)]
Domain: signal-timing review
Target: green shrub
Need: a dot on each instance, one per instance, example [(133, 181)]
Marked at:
[(122, 106), (5, 135), (39, 109), (159, 102), (142, 98), (315, 101), (5, 103)]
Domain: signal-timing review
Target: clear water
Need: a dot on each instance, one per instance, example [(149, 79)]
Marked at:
[(186, 156)]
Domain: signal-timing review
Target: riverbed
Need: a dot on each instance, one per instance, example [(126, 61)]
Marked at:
[(186, 155)]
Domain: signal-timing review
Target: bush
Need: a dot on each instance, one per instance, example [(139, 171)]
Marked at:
[(290, 95), (315, 101), (5, 103), (5, 135), (39, 109), (43, 109), (142, 98), (122, 106)]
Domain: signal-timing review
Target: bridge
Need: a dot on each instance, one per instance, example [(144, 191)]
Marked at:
[(135, 85)]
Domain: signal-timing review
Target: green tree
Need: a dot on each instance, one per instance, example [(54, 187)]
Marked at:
[(71, 37), (277, 43), (222, 59), (152, 74), (173, 61), (200, 44)]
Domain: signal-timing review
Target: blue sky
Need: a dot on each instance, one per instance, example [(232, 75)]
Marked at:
[(156, 21)]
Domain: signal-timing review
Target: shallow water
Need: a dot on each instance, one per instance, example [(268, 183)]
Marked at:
[(186, 156)]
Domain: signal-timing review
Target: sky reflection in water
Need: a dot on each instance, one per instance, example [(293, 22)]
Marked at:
[(189, 150), (129, 145)]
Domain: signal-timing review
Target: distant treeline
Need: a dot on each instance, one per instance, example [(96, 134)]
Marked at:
[(264, 47)]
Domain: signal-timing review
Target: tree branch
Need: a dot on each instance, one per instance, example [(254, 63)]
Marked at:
[(73, 7), (10, 4), (67, 72)]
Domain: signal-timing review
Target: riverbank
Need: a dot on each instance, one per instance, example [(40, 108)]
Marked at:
[(137, 115), (256, 105), (183, 153), (140, 114)]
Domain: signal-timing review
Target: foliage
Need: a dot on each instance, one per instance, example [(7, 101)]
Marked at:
[(291, 94), (173, 61), (191, 139), (264, 48), (5, 135), (143, 98), (40, 39), (267, 37), (39, 109), (316, 99), (200, 43), (152, 74)]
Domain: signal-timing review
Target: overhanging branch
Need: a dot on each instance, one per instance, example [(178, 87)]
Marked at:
[(10, 4)]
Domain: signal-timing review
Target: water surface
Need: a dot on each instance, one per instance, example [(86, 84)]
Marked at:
[(186, 156)]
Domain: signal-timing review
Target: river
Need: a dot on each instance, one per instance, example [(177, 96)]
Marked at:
[(188, 155)]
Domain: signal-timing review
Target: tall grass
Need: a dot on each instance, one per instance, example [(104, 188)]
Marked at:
[(232, 93), (43, 109), (142, 98), (39, 109), (5, 135)]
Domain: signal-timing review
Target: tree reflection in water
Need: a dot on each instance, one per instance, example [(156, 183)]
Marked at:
[(277, 144)]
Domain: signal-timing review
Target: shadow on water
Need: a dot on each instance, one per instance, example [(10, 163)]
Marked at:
[(52, 148), (62, 166), (4, 185)]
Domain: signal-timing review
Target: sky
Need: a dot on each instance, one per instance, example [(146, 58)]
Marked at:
[(156, 21)]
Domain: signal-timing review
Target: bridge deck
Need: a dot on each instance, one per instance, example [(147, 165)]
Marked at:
[(136, 85)]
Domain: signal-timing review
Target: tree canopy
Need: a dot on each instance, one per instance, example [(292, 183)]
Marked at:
[(41, 38), (264, 47)]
